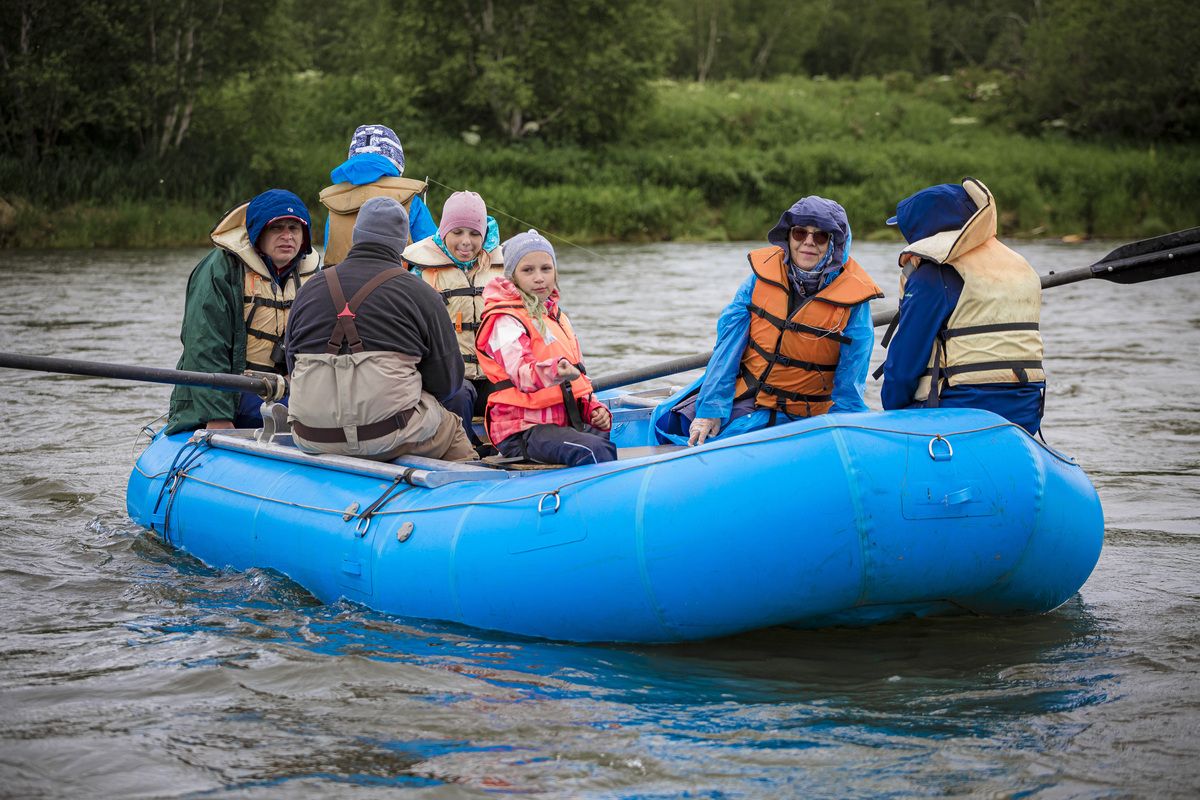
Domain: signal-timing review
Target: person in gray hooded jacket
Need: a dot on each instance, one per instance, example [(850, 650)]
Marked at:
[(371, 352)]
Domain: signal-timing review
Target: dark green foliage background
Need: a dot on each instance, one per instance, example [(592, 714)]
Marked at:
[(135, 123)]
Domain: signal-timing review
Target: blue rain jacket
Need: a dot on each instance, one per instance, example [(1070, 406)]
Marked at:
[(716, 385)]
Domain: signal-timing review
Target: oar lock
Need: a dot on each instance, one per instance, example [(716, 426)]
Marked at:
[(275, 422), (275, 384)]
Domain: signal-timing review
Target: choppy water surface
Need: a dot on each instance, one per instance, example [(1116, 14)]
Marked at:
[(128, 670)]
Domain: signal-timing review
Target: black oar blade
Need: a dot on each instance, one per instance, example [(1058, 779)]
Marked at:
[(1180, 259), (1158, 244)]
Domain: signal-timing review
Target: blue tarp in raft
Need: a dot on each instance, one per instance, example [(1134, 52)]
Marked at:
[(841, 519)]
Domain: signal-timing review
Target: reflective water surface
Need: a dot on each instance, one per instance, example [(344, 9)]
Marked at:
[(129, 670)]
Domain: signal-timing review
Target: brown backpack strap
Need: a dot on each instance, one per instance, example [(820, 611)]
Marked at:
[(344, 329)]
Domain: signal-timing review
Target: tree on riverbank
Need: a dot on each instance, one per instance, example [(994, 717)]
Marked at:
[(605, 119)]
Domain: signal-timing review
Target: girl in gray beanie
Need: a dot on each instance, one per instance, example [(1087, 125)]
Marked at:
[(543, 408)]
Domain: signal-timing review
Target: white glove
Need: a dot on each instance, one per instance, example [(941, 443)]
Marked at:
[(702, 428)]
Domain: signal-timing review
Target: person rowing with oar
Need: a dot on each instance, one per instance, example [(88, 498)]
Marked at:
[(237, 304), (795, 341)]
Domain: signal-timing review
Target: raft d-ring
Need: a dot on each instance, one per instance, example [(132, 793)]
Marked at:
[(542, 504), (361, 527), (946, 456)]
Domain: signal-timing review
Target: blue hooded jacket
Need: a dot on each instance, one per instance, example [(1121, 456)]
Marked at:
[(931, 294), (716, 386)]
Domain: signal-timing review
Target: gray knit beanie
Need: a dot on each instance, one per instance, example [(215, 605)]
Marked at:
[(522, 245), (384, 221)]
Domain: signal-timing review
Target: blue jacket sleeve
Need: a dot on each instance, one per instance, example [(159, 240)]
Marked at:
[(930, 295), (733, 333), (420, 221), (854, 362)]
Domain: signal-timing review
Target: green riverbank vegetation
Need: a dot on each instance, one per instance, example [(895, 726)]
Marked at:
[(705, 140)]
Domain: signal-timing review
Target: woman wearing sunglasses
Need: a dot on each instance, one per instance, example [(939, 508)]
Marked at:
[(795, 341)]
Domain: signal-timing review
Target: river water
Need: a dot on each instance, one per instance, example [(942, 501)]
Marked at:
[(130, 670)]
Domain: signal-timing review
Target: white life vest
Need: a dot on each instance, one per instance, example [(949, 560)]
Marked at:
[(461, 290)]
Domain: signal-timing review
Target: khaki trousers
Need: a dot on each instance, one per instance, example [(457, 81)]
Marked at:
[(449, 442)]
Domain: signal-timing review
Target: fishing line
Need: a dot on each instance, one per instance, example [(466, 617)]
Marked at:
[(528, 224)]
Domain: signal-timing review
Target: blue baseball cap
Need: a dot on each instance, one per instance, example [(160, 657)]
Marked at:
[(945, 207)]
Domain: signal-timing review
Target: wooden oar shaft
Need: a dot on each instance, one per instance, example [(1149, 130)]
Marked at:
[(208, 380)]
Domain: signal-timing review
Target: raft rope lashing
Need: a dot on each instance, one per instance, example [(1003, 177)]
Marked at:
[(185, 458), (363, 520), (543, 496)]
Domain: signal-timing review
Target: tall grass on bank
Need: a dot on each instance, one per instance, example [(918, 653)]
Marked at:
[(711, 162)]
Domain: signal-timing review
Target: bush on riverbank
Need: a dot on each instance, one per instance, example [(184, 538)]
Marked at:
[(705, 162)]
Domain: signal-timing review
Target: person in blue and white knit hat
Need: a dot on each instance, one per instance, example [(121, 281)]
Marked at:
[(376, 160)]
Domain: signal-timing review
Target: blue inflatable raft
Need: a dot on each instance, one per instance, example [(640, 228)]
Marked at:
[(841, 519)]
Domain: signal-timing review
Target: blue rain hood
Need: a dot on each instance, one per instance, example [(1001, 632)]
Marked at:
[(945, 207), (272, 205), (364, 168), (815, 212)]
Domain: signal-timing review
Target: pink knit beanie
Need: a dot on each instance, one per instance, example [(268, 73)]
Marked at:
[(463, 210)]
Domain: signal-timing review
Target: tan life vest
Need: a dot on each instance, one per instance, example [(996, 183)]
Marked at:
[(265, 303), (993, 335), (363, 402), (345, 199), (789, 361), (461, 291)]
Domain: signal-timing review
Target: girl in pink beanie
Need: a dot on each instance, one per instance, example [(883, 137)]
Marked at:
[(463, 210), (458, 261)]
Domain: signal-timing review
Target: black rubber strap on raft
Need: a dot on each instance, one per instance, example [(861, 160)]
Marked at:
[(389, 494)]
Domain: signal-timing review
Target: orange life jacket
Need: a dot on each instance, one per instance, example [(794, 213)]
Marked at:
[(565, 345), (790, 360)]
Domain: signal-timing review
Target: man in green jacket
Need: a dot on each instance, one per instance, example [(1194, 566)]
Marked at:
[(237, 304)]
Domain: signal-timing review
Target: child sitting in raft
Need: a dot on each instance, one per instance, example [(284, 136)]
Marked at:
[(458, 261), (542, 408)]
